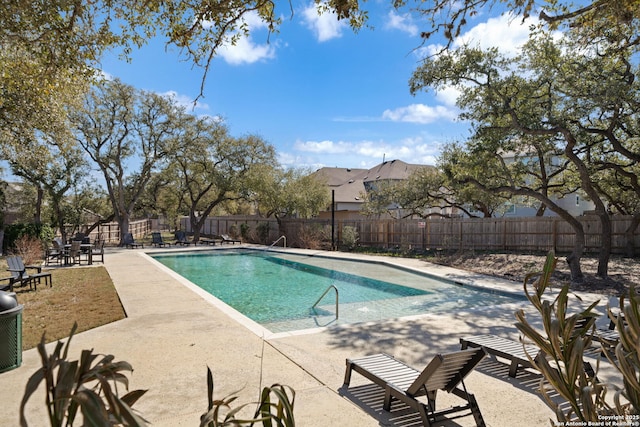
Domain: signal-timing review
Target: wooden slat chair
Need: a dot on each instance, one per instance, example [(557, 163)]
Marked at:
[(514, 351), (445, 372), (22, 277)]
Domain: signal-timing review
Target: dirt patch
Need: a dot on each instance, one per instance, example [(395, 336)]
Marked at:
[(623, 272)]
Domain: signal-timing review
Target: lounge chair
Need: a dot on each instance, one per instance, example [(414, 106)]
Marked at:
[(181, 238), (207, 241), (445, 372), (129, 242), (226, 239), (517, 353), (19, 273), (156, 240)]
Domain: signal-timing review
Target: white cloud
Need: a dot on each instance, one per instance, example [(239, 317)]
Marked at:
[(448, 96), (325, 26), (360, 154), (402, 22), (506, 32), (246, 50), (325, 147), (419, 113)]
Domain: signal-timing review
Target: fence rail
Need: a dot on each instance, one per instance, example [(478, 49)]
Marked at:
[(110, 232), (538, 234)]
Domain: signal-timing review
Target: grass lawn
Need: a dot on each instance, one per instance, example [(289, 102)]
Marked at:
[(83, 295)]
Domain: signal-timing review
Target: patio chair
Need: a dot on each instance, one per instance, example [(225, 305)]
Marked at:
[(73, 252), (181, 238), (9, 286), (445, 372), (98, 250), (22, 277), (517, 353), (55, 253), (129, 242), (226, 239), (156, 240)]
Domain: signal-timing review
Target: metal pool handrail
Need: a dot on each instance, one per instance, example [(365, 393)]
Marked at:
[(324, 293), (283, 237)]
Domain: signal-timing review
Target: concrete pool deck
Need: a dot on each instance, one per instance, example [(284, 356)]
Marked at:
[(171, 335)]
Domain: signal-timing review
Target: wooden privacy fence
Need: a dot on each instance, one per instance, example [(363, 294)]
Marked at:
[(494, 234), (110, 232), (538, 234)]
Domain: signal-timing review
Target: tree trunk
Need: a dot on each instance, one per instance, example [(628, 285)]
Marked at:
[(573, 259), (629, 235), (605, 249), (37, 216), (123, 223), (196, 225)]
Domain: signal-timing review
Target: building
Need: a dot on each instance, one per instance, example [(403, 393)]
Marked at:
[(349, 186)]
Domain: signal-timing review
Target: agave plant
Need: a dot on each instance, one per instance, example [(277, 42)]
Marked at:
[(626, 357), (88, 385), (274, 409), (562, 342)]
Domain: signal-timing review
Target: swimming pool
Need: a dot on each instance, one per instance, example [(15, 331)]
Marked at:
[(278, 290)]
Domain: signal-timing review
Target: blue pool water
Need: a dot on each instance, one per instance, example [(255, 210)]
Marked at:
[(279, 290)]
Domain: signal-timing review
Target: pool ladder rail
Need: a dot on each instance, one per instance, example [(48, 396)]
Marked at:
[(325, 293), (284, 242)]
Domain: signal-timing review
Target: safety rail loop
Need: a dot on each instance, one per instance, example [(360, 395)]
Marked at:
[(325, 293), (283, 238)]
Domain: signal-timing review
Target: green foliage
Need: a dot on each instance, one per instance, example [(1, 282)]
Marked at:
[(263, 232), (626, 357), (275, 408), (563, 341), (88, 385), (14, 232), (349, 237), (244, 230), (287, 193)]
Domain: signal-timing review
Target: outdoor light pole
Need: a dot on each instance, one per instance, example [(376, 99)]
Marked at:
[(333, 220)]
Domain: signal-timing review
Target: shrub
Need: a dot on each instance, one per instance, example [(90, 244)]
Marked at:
[(263, 232), (311, 236), (244, 230), (29, 248), (14, 232), (349, 237)]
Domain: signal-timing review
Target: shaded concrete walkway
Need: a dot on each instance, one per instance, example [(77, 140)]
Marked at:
[(171, 335)]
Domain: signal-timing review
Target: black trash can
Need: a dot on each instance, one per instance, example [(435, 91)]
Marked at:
[(10, 331)]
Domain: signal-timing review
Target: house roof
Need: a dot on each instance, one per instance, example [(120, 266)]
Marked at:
[(349, 184)]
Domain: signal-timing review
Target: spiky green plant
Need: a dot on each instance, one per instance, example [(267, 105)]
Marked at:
[(563, 341), (89, 385), (274, 409), (626, 356)]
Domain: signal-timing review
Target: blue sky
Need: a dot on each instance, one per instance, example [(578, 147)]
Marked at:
[(321, 94)]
